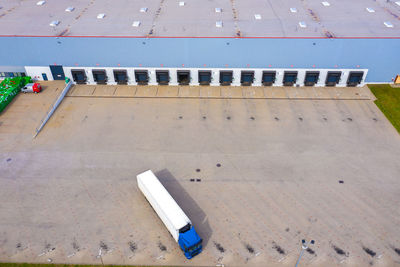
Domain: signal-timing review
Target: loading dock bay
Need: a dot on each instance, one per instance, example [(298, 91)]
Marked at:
[(220, 92), (254, 175), (174, 77)]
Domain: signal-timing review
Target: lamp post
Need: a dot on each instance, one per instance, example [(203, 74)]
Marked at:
[(100, 256), (304, 246)]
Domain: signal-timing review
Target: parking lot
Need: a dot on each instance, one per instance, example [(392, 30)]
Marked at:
[(255, 175)]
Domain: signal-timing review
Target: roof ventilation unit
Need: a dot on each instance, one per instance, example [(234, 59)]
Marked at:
[(325, 3), (398, 3), (79, 76), (370, 10), (247, 78), (302, 24), (142, 77), (70, 9), (388, 24), (181, 3), (289, 78), (143, 10), (257, 16), (218, 24), (333, 78), (311, 78), (120, 76), (101, 16), (293, 10), (41, 3), (355, 78), (218, 10), (225, 77), (136, 23), (268, 78), (162, 77), (54, 23), (204, 77), (100, 76), (183, 77)]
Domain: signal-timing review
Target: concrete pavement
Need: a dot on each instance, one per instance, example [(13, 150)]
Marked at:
[(255, 176)]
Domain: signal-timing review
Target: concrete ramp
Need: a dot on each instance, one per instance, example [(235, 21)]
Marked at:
[(229, 92), (53, 108)]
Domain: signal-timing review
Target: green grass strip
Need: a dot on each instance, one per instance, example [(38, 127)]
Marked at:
[(388, 101)]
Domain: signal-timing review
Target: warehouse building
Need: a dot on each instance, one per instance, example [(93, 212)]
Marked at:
[(168, 42)]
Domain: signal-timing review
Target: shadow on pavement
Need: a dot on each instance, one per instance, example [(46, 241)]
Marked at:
[(188, 205)]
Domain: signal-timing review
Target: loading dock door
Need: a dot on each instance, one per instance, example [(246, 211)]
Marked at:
[(268, 78), (289, 78), (120, 76), (311, 78), (100, 76), (355, 78), (57, 72), (79, 76), (183, 77), (333, 78), (247, 78), (142, 77), (162, 77), (204, 77), (225, 77)]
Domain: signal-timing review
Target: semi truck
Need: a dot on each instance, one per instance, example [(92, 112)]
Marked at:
[(173, 217)]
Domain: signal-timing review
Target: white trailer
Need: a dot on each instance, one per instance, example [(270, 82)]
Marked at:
[(173, 217)]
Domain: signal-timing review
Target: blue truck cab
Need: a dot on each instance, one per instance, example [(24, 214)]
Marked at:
[(189, 241)]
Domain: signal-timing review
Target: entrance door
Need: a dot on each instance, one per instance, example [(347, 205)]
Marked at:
[(100, 76), (162, 77), (289, 78), (204, 77), (311, 78), (333, 78), (141, 77), (44, 75), (120, 76), (183, 77), (225, 77), (57, 72), (247, 78), (355, 78), (268, 78)]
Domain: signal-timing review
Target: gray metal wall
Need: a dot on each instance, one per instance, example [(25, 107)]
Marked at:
[(377, 55)]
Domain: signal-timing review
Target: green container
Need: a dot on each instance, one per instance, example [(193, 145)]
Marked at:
[(9, 88)]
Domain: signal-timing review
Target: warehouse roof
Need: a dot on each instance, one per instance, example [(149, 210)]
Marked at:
[(193, 18)]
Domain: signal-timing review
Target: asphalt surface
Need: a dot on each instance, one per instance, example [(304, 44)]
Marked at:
[(256, 176)]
